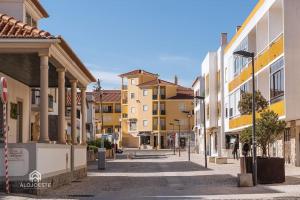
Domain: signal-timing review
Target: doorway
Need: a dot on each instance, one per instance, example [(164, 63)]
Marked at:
[(19, 122)]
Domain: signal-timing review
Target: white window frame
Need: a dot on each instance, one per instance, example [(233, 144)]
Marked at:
[(145, 107), (145, 123), (145, 92)]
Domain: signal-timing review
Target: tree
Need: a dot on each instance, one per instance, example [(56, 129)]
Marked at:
[(245, 104), (268, 128)]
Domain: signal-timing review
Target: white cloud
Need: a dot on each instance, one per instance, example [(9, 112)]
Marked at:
[(109, 80)]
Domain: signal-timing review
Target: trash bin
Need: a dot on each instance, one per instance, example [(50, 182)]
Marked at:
[(101, 158)]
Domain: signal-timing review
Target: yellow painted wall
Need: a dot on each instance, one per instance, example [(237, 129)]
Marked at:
[(245, 120)]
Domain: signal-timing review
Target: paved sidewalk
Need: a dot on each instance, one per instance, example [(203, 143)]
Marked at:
[(161, 175)]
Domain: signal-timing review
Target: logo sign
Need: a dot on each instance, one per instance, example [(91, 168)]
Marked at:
[(3, 90), (35, 176)]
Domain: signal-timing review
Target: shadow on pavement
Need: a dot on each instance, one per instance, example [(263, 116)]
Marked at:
[(146, 167), (161, 187)]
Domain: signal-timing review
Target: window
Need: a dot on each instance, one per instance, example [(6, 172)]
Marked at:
[(182, 107), (30, 21), (132, 95), (240, 62), (132, 126), (145, 92), (234, 99), (107, 108), (118, 108), (145, 123), (145, 107), (133, 110), (287, 135), (163, 93), (277, 81), (133, 81), (163, 124), (78, 114), (145, 140)]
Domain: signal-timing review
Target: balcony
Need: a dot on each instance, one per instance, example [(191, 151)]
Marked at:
[(125, 115), (163, 112), (154, 112), (154, 96)]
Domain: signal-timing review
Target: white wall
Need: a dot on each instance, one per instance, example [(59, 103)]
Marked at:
[(14, 8), (53, 159), (79, 156), (17, 91)]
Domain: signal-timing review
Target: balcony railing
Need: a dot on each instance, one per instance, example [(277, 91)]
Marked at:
[(162, 96), (155, 127), (124, 115), (124, 101), (154, 96), (124, 87), (154, 112), (162, 112)]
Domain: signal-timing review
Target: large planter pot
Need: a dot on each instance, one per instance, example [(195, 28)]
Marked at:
[(269, 170)]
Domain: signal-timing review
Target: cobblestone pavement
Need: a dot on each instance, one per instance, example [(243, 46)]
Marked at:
[(161, 175)]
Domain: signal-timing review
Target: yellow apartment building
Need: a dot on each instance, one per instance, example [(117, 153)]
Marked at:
[(271, 31), (108, 121), (150, 106)]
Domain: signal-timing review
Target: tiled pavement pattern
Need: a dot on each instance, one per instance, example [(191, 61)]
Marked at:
[(161, 175)]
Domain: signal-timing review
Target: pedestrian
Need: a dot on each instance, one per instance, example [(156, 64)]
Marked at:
[(246, 149), (235, 150)]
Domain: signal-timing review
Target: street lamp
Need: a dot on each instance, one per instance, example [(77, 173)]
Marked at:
[(178, 121), (189, 115), (172, 124), (246, 54), (204, 127)]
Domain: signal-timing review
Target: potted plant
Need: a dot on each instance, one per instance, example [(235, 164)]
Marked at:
[(268, 130)]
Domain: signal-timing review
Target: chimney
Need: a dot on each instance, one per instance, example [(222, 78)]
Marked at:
[(176, 80), (223, 39), (237, 28)]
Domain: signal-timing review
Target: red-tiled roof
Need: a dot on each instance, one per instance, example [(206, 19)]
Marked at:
[(182, 96), (12, 28), (156, 82), (137, 71), (108, 96)]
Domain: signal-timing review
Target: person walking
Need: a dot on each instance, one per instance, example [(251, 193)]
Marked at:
[(235, 150)]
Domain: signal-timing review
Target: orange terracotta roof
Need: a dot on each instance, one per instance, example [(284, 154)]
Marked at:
[(183, 93), (12, 28), (40, 8), (156, 82), (108, 96), (137, 71)]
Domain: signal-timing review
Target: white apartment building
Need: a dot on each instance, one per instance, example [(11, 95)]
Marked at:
[(198, 87), (272, 32), (213, 73)]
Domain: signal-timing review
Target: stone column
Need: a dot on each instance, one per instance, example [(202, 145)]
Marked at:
[(44, 69), (83, 114), (73, 111), (61, 106)]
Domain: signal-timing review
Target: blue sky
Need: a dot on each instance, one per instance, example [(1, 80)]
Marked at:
[(168, 37)]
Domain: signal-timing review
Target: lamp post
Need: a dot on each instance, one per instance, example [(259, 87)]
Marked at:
[(204, 128), (246, 54), (178, 121), (172, 124), (189, 115)]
